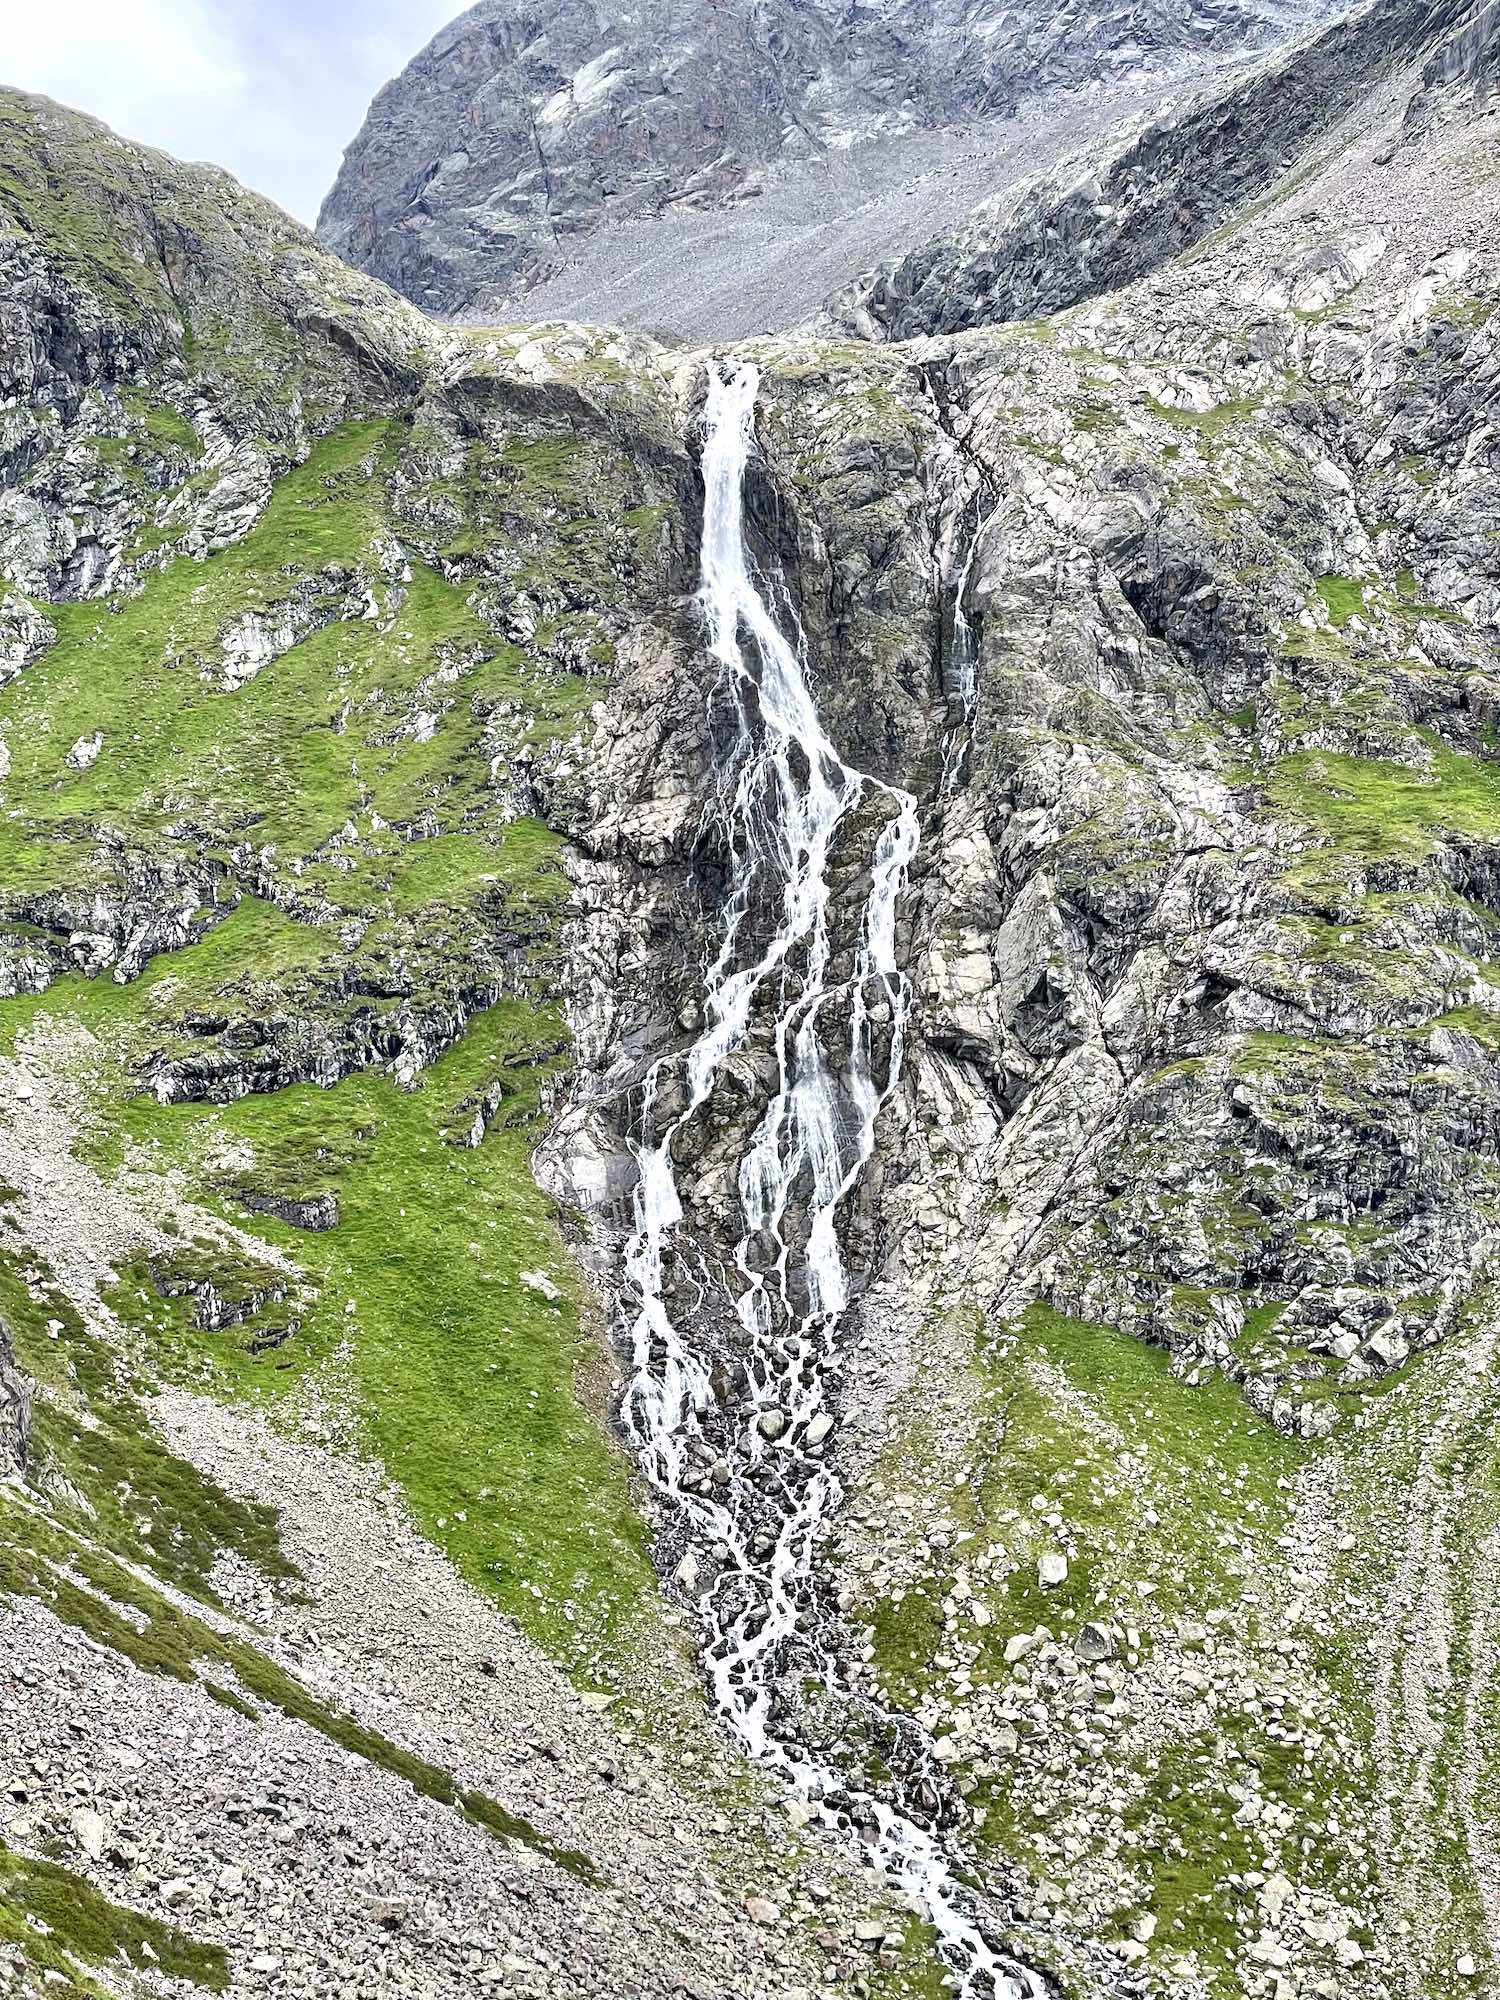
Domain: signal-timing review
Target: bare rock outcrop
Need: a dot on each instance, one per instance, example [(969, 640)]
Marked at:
[(527, 125), (1165, 183), (15, 1411)]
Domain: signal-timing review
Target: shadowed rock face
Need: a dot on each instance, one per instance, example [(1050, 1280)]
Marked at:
[(1164, 184), (15, 1411), (526, 124)]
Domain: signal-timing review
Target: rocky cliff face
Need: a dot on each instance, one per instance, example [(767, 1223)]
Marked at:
[(1171, 611), (15, 1412), (1158, 188), (521, 129), (377, 806)]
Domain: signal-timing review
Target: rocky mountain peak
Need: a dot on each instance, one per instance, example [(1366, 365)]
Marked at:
[(523, 129)]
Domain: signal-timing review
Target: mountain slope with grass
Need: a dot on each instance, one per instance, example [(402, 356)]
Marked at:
[(367, 826), (311, 1485)]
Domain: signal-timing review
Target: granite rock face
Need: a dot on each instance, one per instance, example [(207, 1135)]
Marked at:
[(524, 127)]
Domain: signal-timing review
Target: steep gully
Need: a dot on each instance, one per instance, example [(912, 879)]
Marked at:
[(830, 1012)]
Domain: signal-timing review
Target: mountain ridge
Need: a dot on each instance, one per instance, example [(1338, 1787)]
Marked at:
[(1153, 191), (520, 130)]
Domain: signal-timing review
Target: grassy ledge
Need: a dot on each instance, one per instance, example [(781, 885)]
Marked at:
[(63, 1925)]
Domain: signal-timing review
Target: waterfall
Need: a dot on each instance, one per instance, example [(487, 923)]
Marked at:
[(749, 1489)]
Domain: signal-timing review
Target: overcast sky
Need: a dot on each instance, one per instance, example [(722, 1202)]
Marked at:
[(272, 89)]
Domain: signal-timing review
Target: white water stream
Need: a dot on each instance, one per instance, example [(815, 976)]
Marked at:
[(826, 1020)]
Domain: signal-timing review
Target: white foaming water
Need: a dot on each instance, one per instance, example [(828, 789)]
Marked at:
[(836, 1045)]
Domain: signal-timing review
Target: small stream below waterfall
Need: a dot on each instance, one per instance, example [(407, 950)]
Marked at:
[(819, 998)]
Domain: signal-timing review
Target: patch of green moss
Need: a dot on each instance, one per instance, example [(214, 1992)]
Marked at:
[(1480, 1022), (61, 1923), (1186, 1838), (1338, 1072), (1380, 809), (1467, 312), (1096, 417), (917, 1973), (1208, 424), (165, 427), (1343, 598), (1036, 447)]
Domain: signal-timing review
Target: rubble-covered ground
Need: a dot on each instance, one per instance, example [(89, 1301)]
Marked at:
[(620, 156)]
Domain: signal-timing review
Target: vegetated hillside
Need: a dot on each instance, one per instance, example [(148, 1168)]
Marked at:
[(335, 1661), (364, 792), (523, 130)]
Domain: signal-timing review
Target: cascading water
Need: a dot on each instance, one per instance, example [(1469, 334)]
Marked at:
[(750, 1492)]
